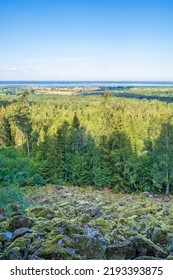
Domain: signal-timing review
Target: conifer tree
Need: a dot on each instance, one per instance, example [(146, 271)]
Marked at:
[(22, 118)]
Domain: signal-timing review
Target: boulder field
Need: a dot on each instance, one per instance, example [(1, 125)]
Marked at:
[(77, 223)]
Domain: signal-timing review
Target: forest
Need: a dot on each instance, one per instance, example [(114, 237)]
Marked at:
[(125, 144), (96, 169)]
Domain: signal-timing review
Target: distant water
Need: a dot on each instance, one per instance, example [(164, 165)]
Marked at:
[(84, 84)]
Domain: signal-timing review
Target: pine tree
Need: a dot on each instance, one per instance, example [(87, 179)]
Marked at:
[(5, 132), (163, 159), (22, 118)]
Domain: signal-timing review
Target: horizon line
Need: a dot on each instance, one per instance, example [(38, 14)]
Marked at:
[(99, 81)]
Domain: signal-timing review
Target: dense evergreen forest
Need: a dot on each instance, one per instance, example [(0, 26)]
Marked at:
[(124, 143), (86, 176)]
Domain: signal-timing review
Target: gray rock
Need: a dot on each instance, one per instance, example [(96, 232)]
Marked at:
[(92, 210), (96, 249), (20, 231), (12, 254), (145, 247), (159, 236), (71, 251), (92, 232), (8, 235), (121, 250), (19, 221)]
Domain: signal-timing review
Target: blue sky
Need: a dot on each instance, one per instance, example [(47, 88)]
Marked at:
[(86, 40)]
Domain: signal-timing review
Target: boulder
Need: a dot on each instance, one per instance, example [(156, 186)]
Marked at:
[(80, 242), (93, 210), (3, 237), (92, 232), (146, 247), (20, 231), (96, 249), (43, 212), (20, 242), (122, 250), (19, 221), (12, 254), (159, 236)]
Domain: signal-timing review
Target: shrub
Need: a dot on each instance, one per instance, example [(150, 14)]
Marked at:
[(37, 180), (12, 198), (21, 178)]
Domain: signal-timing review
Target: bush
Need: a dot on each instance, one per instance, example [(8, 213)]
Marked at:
[(37, 180), (21, 179), (12, 198), (13, 168)]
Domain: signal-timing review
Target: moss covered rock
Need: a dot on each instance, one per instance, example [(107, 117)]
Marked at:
[(96, 249), (20, 242), (121, 250), (80, 243), (19, 221), (159, 236), (145, 246), (12, 254)]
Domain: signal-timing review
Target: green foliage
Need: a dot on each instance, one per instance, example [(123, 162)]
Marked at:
[(121, 142), (6, 131), (12, 198), (21, 178), (37, 180), (16, 170)]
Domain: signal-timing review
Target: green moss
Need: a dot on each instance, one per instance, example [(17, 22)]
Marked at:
[(64, 239), (47, 213), (20, 242), (170, 257), (80, 242), (3, 237), (4, 225), (48, 250), (32, 235), (146, 247), (85, 218), (121, 209), (49, 225), (52, 234), (121, 221), (29, 214)]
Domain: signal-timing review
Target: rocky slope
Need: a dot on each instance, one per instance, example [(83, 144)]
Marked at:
[(77, 223)]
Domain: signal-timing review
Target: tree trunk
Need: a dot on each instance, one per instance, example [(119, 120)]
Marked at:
[(167, 190), (27, 144)]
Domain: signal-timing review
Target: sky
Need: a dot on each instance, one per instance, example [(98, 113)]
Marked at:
[(79, 40)]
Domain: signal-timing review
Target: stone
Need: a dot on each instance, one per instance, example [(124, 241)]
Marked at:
[(12, 254), (60, 230), (3, 237), (159, 236), (4, 226), (19, 221), (92, 232), (71, 251), (122, 250), (37, 210), (20, 242), (96, 249), (8, 235), (146, 247), (92, 210), (80, 242), (20, 231), (47, 213)]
